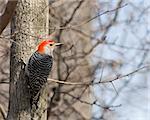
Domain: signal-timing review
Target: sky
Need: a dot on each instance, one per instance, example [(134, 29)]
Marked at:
[(132, 31)]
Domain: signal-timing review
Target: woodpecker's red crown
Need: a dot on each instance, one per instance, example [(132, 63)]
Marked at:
[(43, 44), (47, 46)]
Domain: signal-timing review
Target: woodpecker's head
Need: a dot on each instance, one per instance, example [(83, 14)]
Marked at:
[(47, 47)]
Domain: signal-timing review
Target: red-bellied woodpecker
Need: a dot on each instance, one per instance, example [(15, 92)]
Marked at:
[(39, 66)]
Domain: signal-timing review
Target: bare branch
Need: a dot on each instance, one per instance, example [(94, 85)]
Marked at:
[(101, 81)]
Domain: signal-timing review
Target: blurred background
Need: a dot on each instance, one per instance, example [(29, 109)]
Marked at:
[(107, 44)]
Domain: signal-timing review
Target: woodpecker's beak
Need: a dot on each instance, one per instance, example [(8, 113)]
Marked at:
[(58, 44)]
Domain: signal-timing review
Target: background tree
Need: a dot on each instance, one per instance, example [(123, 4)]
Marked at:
[(7, 8)]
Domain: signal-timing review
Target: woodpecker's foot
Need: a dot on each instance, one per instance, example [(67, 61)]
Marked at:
[(23, 65)]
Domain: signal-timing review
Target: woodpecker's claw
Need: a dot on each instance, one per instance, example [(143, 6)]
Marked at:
[(23, 65)]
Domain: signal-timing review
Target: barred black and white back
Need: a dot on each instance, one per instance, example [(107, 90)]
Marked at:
[(37, 71)]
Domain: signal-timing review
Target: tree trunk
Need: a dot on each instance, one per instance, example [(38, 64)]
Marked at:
[(28, 15)]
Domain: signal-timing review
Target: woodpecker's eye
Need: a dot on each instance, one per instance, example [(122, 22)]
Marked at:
[(51, 44)]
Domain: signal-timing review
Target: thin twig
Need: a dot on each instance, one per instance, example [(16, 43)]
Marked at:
[(84, 22), (122, 76), (102, 81), (114, 88), (66, 83), (105, 12)]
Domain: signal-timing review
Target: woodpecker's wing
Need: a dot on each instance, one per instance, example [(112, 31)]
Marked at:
[(37, 70)]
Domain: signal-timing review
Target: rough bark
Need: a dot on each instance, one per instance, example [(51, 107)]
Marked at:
[(28, 14)]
